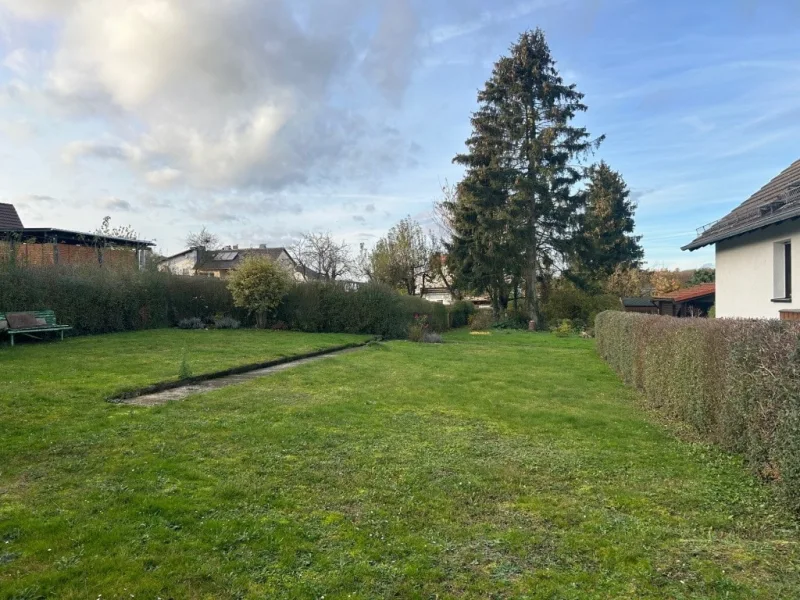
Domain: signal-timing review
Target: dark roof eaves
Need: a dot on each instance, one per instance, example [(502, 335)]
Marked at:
[(78, 234), (699, 242)]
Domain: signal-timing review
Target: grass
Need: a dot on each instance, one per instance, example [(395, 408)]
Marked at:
[(510, 465)]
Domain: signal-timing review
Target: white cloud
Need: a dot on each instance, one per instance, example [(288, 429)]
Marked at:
[(38, 9), (163, 177), (451, 31), (105, 150), (114, 203), (227, 94), (23, 62)]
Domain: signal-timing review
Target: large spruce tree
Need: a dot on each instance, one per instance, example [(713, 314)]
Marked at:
[(484, 251), (524, 143), (607, 241)]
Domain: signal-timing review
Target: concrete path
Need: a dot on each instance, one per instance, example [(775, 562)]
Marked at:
[(215, 384)]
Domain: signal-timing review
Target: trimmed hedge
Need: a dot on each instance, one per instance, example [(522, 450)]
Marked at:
[(95, 300), (735, 382), (371, 309)]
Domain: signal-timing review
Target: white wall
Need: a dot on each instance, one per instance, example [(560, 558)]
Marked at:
[(746, 273), (180, 265)]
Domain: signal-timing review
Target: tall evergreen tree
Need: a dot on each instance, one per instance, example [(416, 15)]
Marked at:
[(607, 240), (523, 135), (484, 250)]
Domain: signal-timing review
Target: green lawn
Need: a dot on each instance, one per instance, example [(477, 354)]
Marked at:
[(511, 465)]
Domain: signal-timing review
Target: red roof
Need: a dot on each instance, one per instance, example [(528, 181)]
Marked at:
[(692, 293)]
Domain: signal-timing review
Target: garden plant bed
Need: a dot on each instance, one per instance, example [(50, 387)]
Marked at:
[(513, 465)]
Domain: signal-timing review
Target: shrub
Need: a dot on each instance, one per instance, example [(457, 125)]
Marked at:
[(564, 329), (513, 320), (481, 320), (734, 382), (372, 309), (191, 323), (460, 313), (226, 323), (258, 285), (565, 301), (96, 300), (418, 329)]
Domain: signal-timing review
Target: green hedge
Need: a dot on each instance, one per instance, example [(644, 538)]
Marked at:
[(95, 300), (735, 382), (565, 301), (460, 313), (372, 309)]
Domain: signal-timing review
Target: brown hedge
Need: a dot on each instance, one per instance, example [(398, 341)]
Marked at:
[(735, 382)]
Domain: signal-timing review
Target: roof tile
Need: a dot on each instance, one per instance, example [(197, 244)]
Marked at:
[(749, 215)]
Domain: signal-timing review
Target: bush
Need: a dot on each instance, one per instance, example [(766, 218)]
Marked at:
[(370, 309), (226, 323), (564, 329), (258, 285), (191, 323), (96, 300), (565, 301), (513, 320), (481, 320), (418, 329), (735, 382), (460, 313)]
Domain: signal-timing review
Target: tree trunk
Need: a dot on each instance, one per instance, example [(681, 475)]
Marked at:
[(495, 295), (531, 299)]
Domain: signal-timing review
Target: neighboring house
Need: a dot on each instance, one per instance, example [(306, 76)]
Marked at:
[(757, 247), (39, 246), (433, 289), (695, 301), (219, 263)]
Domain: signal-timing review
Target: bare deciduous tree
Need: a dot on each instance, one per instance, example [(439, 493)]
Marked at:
[(319, 253), (203, 238), (120, 231), (443, 218)]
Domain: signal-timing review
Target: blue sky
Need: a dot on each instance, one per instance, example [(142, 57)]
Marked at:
[(262, 120)]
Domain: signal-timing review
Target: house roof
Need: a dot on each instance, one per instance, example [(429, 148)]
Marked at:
[(638, 303), (78, 238), (223, 260), (692, 293), (776, 202), (187, 251), (9, 219)]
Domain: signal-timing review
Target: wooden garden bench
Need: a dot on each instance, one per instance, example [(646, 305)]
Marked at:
[(28, 323)]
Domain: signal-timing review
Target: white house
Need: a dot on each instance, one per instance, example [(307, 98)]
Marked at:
[(219, 263), (758, 252)]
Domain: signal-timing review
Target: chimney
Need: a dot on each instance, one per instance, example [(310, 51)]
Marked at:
[(236, 247)]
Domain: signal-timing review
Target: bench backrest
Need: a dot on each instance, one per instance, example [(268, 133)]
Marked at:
[(48, 315)]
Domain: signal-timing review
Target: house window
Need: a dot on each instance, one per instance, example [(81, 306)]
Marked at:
[(782, 270)]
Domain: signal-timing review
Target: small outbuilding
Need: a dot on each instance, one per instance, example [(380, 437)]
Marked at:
[(41, 246)]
